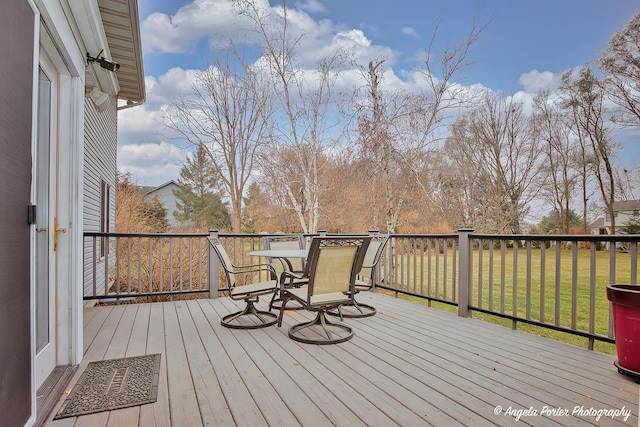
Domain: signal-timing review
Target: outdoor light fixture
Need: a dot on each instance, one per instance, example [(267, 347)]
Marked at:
[(100, 99), (104, 62)]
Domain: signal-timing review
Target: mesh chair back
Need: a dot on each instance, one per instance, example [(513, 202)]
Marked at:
[(333, 263), (225, 261), (372, 257), (286, 243)]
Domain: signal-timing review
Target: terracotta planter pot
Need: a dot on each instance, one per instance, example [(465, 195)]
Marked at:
[(625, 301)]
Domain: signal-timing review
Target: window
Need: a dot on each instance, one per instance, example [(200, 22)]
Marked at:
[(105, 202)]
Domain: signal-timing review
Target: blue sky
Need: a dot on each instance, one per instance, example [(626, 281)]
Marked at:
[(526, 45)]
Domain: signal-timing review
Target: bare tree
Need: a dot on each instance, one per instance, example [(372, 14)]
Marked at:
[(397, 129), (379, 125), (561, 153), (620, 62), (227, 116), (493, 146), (301, 101), (584, 98)]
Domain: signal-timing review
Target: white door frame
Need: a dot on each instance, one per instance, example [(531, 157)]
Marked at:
[(55, 39)]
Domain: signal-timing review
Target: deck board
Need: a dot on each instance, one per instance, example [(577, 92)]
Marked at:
[(157, 414), (409, 365), (183, 403), (533, 359)]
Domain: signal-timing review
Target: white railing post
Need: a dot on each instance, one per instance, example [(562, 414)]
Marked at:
[(464, 272), (214, 268)]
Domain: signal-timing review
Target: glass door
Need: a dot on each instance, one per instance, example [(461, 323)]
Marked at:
[(44, 180)]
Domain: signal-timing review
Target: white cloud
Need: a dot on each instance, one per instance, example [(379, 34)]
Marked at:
[(216, 21), (410, 31), (311, 6), (141, 120), (193, 22), (145, 123), (175, 82), (151, 163), (534, 81)]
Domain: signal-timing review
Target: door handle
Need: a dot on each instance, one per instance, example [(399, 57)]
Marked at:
[(57, 230), (41, 229)]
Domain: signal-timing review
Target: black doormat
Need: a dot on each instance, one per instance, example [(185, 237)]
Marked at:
[(113, 384)]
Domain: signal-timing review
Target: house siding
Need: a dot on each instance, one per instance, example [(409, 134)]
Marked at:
[(165, 196), (100, 157), (16, 90)]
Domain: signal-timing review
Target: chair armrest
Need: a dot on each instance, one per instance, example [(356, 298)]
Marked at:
[(291, 275), (242, 269)]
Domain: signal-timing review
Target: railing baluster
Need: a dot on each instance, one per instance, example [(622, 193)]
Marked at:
[(437, 275), (171, 281), (480, 270), (161, 264), (574, 283), (444, 269), (558, 281), (128, 265), (633, 273), (106, 268), (181, 258), (190, 264), (503, 273), (117, 269), (94, 274), (543, 249), (592, 294), (150, 240), (421, 266), (429, 258), (514, 283), (527, 303), (139, 263), (454, 271), (491, 248)]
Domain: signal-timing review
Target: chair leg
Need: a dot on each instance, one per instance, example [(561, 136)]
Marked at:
[(284, 300), (265, 317), (363, 310), (330, 330)]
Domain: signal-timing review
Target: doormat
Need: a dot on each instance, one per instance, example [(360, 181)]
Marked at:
[(113, 384)]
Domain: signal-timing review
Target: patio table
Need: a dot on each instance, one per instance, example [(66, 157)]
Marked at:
[(282, 254)]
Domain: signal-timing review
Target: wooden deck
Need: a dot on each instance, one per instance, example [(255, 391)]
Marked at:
[(409, 365)]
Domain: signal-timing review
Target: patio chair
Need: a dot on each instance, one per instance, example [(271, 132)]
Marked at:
[(285, 242), (250, 293), (366, 279), (290, 241), (331, 268)]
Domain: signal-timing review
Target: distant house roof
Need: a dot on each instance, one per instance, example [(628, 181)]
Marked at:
[(626, 205), (598, 223), (146, 190)]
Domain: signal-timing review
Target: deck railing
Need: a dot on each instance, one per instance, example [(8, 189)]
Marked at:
[(553, 281)]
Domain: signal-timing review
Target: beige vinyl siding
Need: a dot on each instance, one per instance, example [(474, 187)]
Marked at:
[(100, 156)]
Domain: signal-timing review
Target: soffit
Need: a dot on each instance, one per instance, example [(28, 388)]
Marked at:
[(122, 27)]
